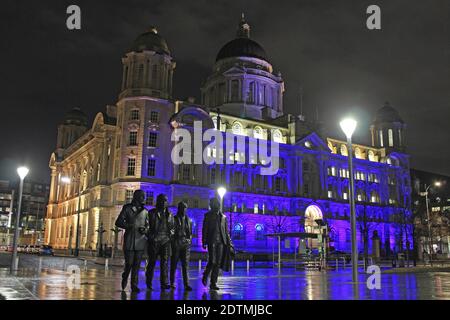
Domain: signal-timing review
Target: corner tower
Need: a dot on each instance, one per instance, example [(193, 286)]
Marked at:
[(387, 129), (148, 67), (243, 83)]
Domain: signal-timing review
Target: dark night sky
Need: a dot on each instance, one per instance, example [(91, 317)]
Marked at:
[(323, 45)]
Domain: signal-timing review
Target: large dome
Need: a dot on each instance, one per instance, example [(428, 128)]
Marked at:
[(76, 117), (150, 40), (242, 47), (387, 114)]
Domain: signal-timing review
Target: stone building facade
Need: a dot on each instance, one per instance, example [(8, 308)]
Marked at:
[(129, 147)]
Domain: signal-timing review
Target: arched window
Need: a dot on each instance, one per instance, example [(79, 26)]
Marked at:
[(140, 75), (277, 136), (331, 147), (237, 128), (374, 197), (358, 153), (259, 232), (391, 137), (258, 132), (344, 150), (238, 232)]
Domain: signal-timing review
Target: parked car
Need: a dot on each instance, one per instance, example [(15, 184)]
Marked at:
[(45, 250)]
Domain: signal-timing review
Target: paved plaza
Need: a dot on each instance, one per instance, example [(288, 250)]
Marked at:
[(46, 278)]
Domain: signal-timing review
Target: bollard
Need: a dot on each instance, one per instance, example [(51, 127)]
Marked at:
[(85, 264), (337, 264), (232, 266), (106, 264), (248, 265), (199, 265)]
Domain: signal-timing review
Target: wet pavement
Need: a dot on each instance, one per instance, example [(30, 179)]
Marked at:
[(47, 278)]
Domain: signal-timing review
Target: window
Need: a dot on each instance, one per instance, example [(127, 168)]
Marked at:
[(277, 136), (98, 171), (374, 197), (259, 232), (237, 128), (234, 90), (134, 114), (129, 195), (132, 138), (251, 92), (151, 167), (278, 182), (152, 137), (391, 138), (330, 194), (305, 166), (131, 166), (255, 208), (213, 175), (140, 74), (238, 232), (258, 132), (154, 117), (358, 153), (345, 195), (149, 198), (381, 138), (306, 188), (332, 171), (186, 172), (344, 150)]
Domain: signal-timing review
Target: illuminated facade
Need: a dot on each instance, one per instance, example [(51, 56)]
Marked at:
[(129, 147)]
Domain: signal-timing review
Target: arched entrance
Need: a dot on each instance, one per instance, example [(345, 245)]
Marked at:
[(312, 213)]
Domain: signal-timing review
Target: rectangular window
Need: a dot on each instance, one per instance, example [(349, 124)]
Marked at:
[(154, 117), (129, 195), (149, 198), (255, 208), (234, 90), (132, 139), (134, 115), (186, 172), (345, 195), (277, 184), (213, 175), (131, 166), (152, 137), (151, 167)]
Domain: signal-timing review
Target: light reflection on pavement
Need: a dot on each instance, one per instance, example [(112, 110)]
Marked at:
[(258, 283)]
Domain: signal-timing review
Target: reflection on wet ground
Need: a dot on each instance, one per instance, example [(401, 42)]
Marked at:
[(259, 283)]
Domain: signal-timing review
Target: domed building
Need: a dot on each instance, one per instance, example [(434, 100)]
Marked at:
[(135, 143)]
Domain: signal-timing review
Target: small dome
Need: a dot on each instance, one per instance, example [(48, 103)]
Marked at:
[(150, 40), (242, 47), (387, 114), (76, 117)]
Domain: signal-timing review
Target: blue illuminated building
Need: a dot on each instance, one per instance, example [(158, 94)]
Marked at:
[(129, 147)]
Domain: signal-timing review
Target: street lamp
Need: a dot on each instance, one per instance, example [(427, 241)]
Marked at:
[(348, 126), (22, 172), (221, 191), (430, 239)]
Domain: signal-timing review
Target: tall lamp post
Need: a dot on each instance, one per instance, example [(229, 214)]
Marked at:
[(348, 126), (221, 192), (22, 172), (430, 244)]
